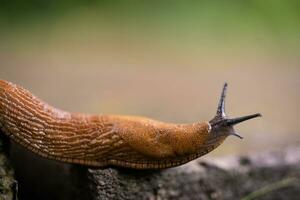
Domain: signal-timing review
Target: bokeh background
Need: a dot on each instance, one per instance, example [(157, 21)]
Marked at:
[(165, 60)]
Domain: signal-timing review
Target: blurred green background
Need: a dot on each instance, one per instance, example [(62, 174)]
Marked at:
[(166, 60)]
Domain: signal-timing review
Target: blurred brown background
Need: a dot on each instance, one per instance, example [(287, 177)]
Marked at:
[(165, 60)]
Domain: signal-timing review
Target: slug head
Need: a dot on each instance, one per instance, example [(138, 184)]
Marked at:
[(221, 126)]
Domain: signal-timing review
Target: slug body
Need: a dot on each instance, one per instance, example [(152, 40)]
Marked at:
[(107, 140)]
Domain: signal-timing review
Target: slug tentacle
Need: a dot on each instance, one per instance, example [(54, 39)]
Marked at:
[(221, 107), (105, 140), (221, 124)]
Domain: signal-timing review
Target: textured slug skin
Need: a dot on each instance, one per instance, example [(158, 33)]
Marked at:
[(98, 140)]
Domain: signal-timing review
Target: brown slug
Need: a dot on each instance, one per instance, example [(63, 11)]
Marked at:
[(107, 140)]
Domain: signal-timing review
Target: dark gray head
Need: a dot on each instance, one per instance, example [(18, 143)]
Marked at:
[(222, 125)]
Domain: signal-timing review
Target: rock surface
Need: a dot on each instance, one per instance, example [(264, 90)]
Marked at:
[(8, 186), (273, 175), (267, 175)]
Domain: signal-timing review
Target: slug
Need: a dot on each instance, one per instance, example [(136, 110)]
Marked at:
[(108, 140)]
